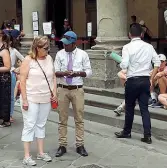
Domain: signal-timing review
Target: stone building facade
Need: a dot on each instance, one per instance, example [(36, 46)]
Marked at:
[(82, 11), (110, 20)]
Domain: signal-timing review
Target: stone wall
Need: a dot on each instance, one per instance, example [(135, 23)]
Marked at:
[(79, 17), (104, 70), (146, 10), (8, 10)]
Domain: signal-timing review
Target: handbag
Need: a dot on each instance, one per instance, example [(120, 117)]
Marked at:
[(53, 103)]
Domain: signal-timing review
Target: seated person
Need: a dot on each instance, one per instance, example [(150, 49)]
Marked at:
[(122, 77), (161, 79)]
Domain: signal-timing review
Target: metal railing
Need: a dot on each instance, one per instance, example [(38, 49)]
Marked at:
[(82, 42)]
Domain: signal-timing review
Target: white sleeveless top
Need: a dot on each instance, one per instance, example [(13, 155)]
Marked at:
[(36, 85)]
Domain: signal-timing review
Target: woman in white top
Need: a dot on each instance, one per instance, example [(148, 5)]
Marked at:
[(36, 96), (14, 54)]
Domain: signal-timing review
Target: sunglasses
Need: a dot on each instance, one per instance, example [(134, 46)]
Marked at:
[(46, 48), (68, 37)]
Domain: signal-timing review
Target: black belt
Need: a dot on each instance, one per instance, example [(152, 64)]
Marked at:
[(70, 87), (139, 77)]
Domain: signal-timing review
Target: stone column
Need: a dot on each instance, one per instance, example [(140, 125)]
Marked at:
[(111, 24), (111, 36), (29, 6)]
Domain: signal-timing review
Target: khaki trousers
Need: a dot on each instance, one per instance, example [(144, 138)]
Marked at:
[(76, 98)]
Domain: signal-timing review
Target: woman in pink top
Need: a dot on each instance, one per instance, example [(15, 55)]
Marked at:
[(36, 96)]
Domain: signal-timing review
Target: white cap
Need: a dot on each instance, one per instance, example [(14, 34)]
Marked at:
[(162, 57), (65, 20), (142, 22)]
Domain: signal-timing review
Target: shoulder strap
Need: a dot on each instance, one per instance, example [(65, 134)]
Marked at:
[(45, 78), (2, 48)]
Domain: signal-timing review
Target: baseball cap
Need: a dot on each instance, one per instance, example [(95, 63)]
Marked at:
[(69, 38), (65, 20), (162, 57), (142, 23)]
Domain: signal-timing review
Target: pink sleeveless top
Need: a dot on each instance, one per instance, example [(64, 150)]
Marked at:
[(36, 85)]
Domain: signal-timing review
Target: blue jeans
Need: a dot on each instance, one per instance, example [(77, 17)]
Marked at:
[(13, 84)]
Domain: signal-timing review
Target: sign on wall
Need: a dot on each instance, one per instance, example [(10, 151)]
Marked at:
[(35, 23), (35, 34), (17, 27), (89, 29), (47, 28), (35, 16)]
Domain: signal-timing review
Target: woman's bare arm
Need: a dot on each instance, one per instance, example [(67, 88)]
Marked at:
[(24, 70), (6, 60)]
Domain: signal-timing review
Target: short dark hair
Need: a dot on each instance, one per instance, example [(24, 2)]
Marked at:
[(136, 30), (8, 24), (12, 40), (133, 17)]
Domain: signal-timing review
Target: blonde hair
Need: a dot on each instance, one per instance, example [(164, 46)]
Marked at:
[(38, 42)]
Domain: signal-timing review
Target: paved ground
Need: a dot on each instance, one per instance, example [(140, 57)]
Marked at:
[(105, 151)]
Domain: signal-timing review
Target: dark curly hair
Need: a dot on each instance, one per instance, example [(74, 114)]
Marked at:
[(5, 39), (12, 41)]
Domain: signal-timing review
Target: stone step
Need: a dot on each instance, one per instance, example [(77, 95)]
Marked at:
[(111, 103), (108, 117), (94, 52), (116, 92)]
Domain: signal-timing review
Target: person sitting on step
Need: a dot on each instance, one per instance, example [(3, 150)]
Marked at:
[(122, 76), (160, 80)]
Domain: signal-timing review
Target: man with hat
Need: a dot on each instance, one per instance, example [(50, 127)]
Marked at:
[(71, 66), (66, 27)]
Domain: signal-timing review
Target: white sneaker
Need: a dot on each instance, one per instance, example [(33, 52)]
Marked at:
[(119, 110), (45, 157), (29, 162)]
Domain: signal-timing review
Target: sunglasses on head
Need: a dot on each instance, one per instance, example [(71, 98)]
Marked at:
[(68, 37)]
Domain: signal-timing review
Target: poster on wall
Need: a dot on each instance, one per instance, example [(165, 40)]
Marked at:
[(36, 33), (89, 29), (35, 16), (47, 28), (35, 26), (17, 27)]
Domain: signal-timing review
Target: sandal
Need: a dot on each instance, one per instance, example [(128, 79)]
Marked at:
[(5, 124), (11, 119)]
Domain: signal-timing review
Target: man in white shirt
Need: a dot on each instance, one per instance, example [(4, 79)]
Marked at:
[(71, 65), (137, 58)]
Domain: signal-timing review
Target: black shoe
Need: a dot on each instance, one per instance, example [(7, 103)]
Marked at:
[(147, 140), (61, 151), (82, 151), (122, 135), (157, 105)]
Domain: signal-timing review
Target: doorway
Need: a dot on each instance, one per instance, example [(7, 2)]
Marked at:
[(56, 12)]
